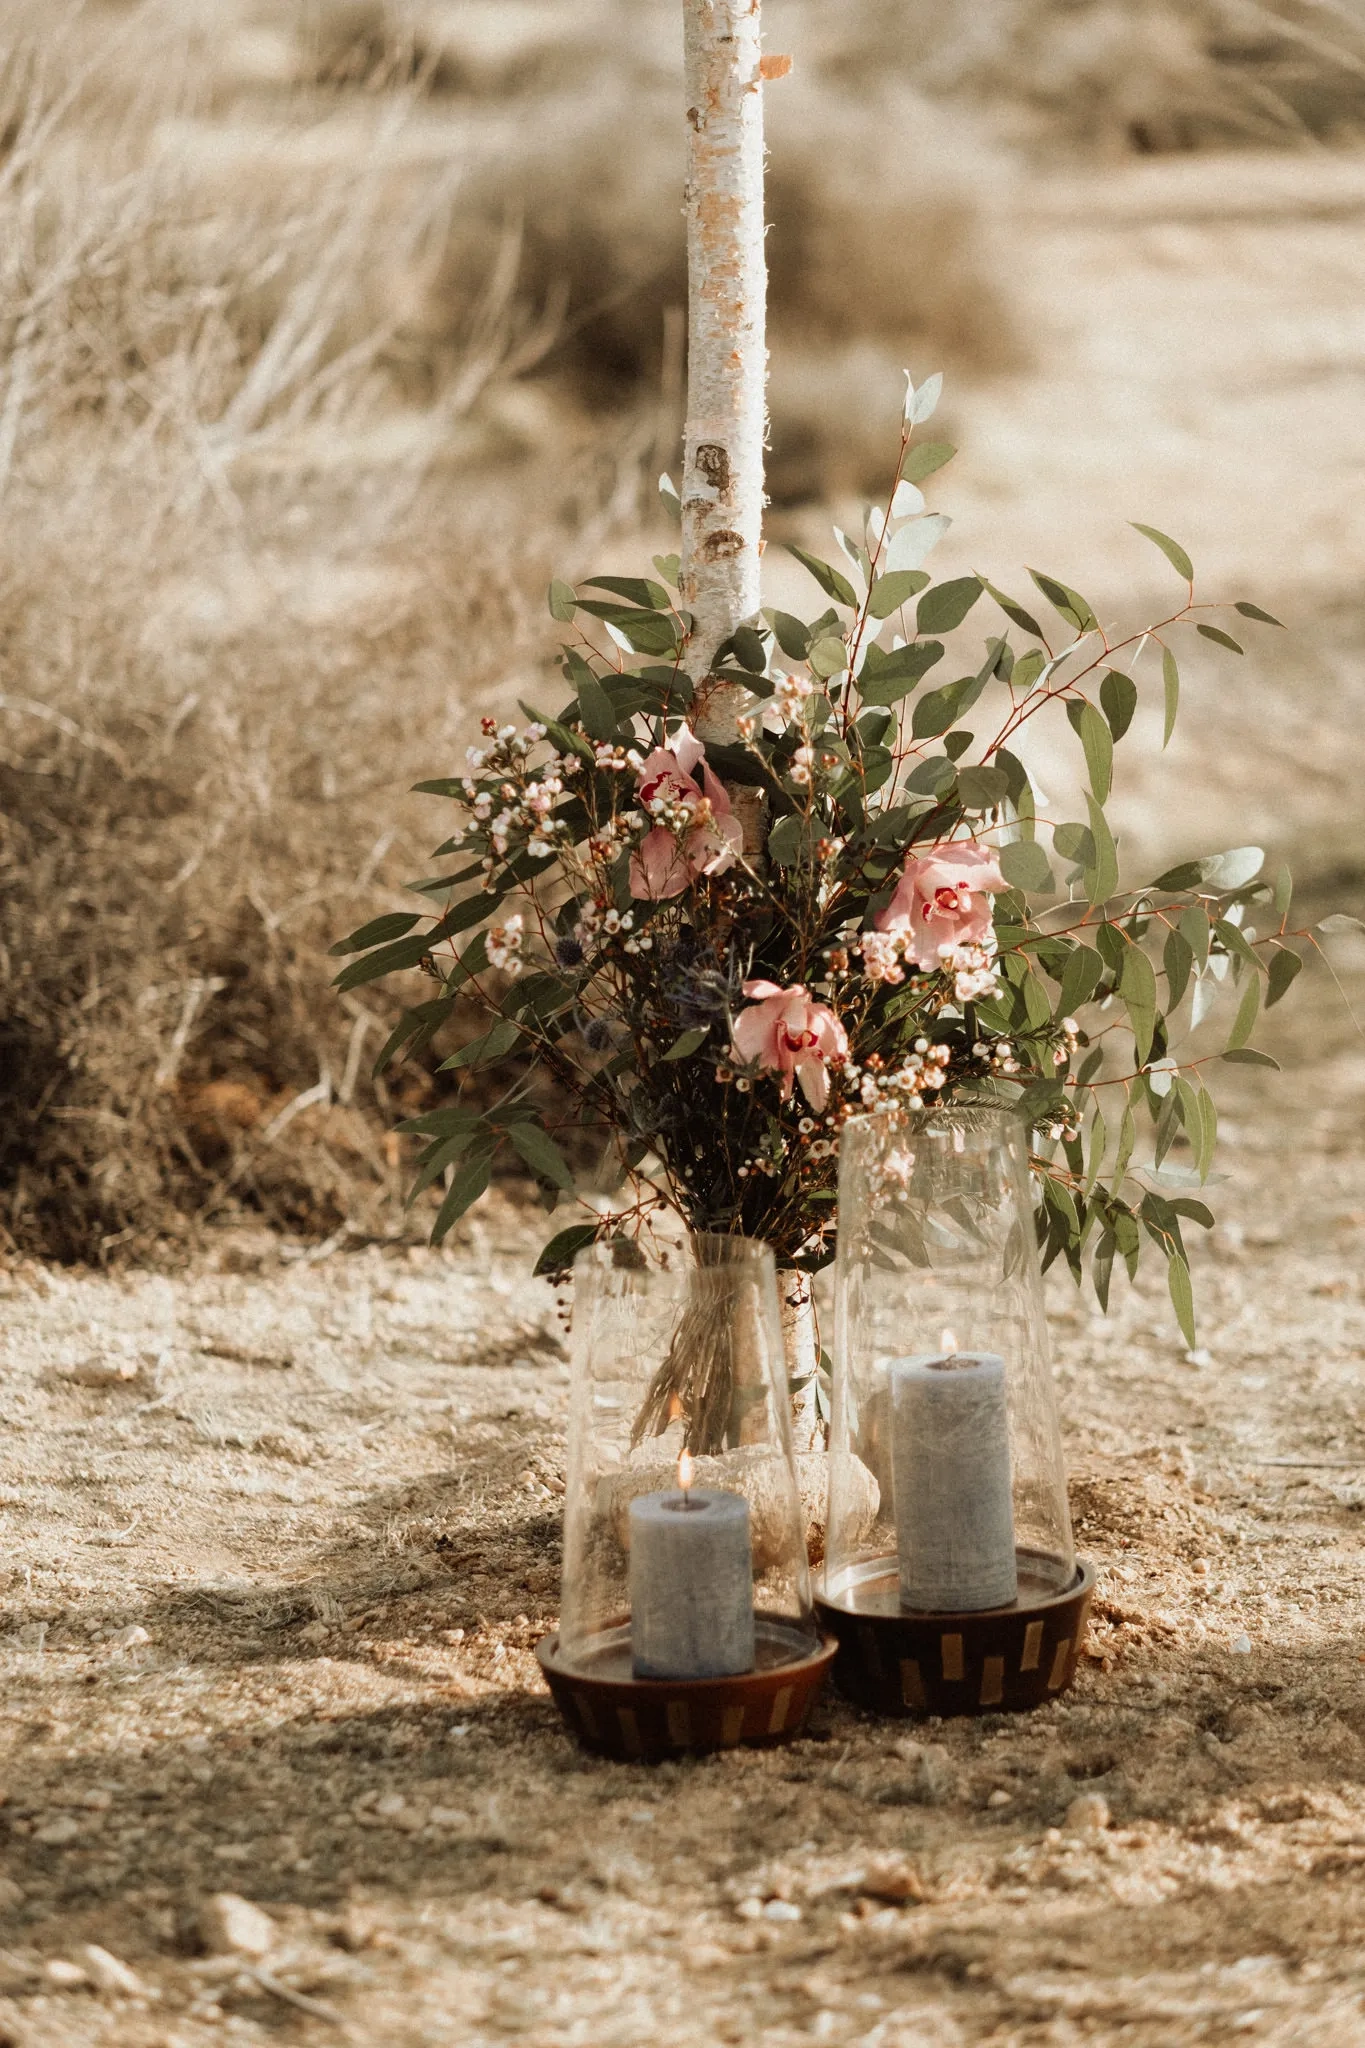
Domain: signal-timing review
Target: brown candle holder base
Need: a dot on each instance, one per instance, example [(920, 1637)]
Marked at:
[(1002, 1661), (645, 1720)]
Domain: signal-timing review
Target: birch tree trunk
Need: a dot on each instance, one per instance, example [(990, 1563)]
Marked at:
[(722, 491)]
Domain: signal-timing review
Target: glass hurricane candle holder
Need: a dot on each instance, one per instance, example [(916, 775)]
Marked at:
[(950, 1572), (686, 1617)]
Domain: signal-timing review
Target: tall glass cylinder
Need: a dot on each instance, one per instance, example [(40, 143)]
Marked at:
[(684, 1546), (947, 1484)]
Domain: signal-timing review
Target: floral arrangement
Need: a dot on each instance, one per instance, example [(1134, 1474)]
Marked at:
[(714, 951)]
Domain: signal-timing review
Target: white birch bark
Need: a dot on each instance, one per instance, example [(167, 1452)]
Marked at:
[(722, 491)]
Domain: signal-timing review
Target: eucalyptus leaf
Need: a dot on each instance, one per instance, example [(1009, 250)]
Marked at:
[(1013, 611), (890, 592), (1171, 549), (1118, 701), (1069, 603), (1098, 743), (1254, 611), (981, 789), (1101, 879), (947, 604), (1222, 639), (921, 404), (559, 1254), (1073, 842), (1182, 1297), (1244, 1023), (1284, 969), (1284, 892), (1178, 960), (831, 580), (925, 457), (1081, 976), (637, 589), (596, 709), (689, 1042), (1025, 866), (828, 657), (791, 636), (469, 1183), (1137, 986), (495, 1043), (1170, 676), (542, 1155), (393, 925), (911, 547)]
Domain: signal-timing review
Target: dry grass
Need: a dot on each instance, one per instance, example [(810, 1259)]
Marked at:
[(1127, 75), (229, 623)]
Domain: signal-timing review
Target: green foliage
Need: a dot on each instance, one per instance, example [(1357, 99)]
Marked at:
[(616, 999)]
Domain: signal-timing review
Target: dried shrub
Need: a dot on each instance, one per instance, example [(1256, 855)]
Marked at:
[(227, 624), (1125, 75)]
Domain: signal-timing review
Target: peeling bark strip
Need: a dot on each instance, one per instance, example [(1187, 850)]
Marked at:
[(722, 493)]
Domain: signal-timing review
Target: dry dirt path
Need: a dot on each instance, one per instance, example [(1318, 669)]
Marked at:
[(269, 1604)]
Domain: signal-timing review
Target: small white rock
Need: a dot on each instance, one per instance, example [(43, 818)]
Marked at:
[(749, 1909), (108, 1974), (66, 1976), (781, 1909), (58, 1833), (447, 1817), (1240, 1646), (103, 1372), (998, 1798), (231, 1925), (1199, 1357), (1088, 1814), (130, 1638)]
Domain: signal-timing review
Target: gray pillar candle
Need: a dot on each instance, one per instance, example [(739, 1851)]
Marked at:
[(691, 1585), (954, 1501)]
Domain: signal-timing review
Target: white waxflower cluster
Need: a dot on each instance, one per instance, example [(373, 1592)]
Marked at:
[(998, 1054), (520, 807), (923, 1071), (789, 697), (976, 975), (504, 944), (680, 810), (617, 760), (610, 837), (882, 956)]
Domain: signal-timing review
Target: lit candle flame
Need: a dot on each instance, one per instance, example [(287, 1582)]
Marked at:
[(684, 1473), (948, 1343)]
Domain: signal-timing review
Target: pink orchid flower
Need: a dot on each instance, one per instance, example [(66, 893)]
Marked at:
[(787, 1030), (943, 900), (666, 861)]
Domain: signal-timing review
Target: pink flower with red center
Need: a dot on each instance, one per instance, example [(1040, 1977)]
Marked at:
[(786, 1030), (943, 900), (673, 855)]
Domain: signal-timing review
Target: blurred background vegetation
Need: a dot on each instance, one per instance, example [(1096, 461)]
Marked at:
[(330, 329)]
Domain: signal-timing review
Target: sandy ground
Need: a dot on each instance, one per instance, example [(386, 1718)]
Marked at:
[(280, 1536)]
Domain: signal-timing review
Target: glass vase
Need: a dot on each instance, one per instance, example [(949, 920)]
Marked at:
[(950, 1570), (686, 1617)]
